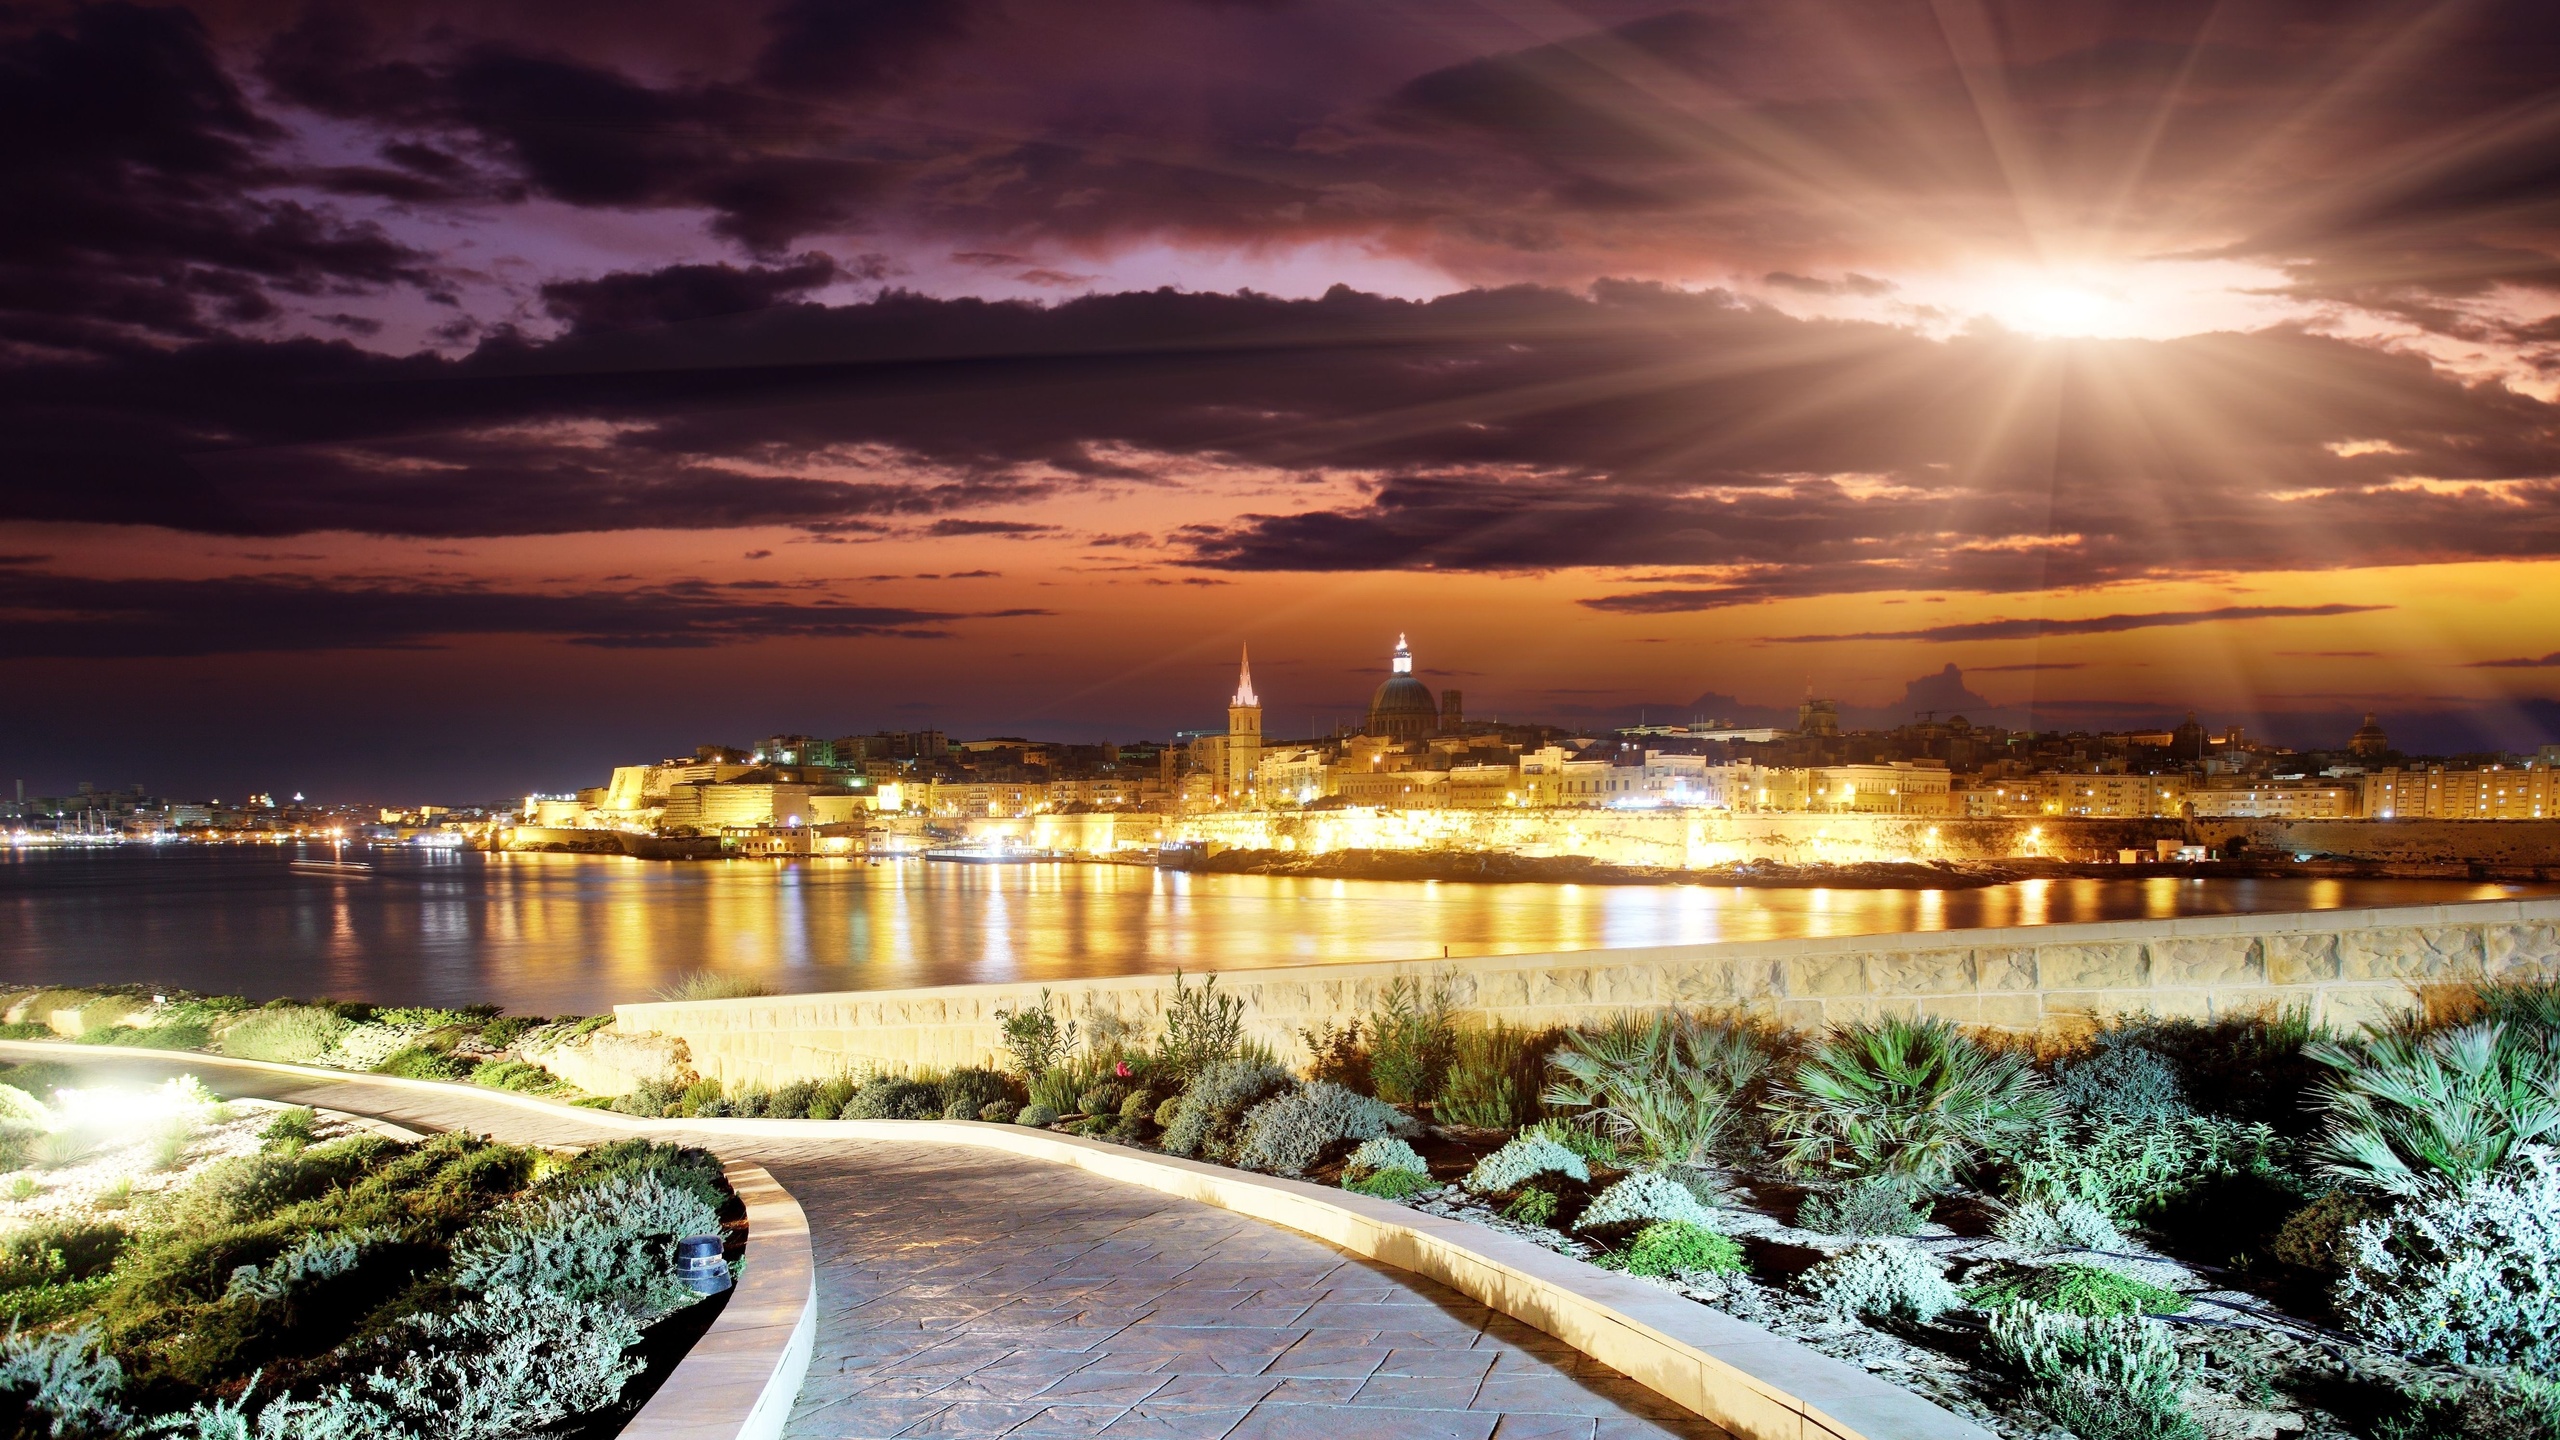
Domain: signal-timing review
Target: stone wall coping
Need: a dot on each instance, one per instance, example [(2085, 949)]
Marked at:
[(739, 1380), (1753, 1383), (644, 1016)]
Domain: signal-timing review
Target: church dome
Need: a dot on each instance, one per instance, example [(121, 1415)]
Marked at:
[(1403, 708), (2370, 741)]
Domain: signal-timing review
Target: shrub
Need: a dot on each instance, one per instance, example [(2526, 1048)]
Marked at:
[(699, 1096), (1913, 1099), (1492, 1082), (970, 1089), (1201, 1028), (1037, 1115), (2122, 1082), (2468, 1274), (790, 1100), (998, 1111), (1385, 1152), (612, 1241), (293, 1125), (2131, 1170), (1140, 1105), (1205, 1124), (2530, 1004), (2314, 1237), (2448, 1106), (1290, 1132), (507, 1364), (289, 1034), (1532, 1206), (311, 1260), (58, 1252), (712, 985), (1039, 1039), (1675, 1087), (2076, 1290), (517, 1075), (1594, 1148), (64, 1378), (424, 1062), (1877, 1205), (1103, 1099), (1410, 1037), (2244, 1067), (501, 1033), (649, 1097), (1678, 1247), (1526, 1156), (2040, 1227), (894, 1097), (831, 1098), (365, 1047), (1883, 1279), (60, 1149), (1393, 1184), (1644, 1196), (1335, 1053), (2104, 1378)]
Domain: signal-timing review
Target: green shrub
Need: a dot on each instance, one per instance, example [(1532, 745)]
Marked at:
[(1201, 1028), (1532, 1206), (612, 1238), (1335, 1053), (1393, 1184), (1493, 1077), (2133, 1170), (2450, 1106), (1411, 1035), (892, 1097), (38, 1008), (1385, 1152), (695, 1172), (517, 1075), (1103, 1099), (1036, 1115), (2075, 1290), (2527, 1004), (2103, 1378), (1883, 1278), (832, 1097), (1911, 1099), (423, 1062), (1675, 1087), (500, 1033), (1524, 1158), (651, 1098), (1679, 1247), (698, 1095), (1039, 1039), (58, 1252), (1059, 1087), (293, 1126), (26, 1030), (60, 1149), (25, 1187), (998, 1111), (970, 1090), (2122, 1081), (1140, 1105), (2243, 1067), (1288, 1133), (1207, 1123), (712, 985), (290, 1034), (1876, 1205), (2314, 1237)]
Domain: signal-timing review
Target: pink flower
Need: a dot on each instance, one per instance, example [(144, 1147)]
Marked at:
[(1122, 1071)]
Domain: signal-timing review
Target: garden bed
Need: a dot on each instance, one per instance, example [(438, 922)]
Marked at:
[(173, 1264)]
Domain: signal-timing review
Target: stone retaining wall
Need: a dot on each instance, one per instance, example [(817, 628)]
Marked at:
[(2343, 966)]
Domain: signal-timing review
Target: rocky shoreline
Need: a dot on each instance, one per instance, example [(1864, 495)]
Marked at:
[(1497, 868)]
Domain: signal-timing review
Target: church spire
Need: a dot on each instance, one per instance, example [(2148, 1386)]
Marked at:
[(1244, 680)]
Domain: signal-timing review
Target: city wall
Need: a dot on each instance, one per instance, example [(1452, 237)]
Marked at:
[(2343, 966)]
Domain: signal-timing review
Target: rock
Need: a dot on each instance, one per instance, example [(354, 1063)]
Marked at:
[(608, 1062)]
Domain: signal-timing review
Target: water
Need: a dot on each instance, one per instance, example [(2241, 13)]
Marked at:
[(549, 934)]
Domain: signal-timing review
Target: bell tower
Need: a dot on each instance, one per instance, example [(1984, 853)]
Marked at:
[(1244, 733)]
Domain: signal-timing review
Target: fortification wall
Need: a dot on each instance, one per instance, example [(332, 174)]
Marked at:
[(2343, 966)]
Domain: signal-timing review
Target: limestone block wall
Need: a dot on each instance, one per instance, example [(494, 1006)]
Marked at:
[(2343, 966)]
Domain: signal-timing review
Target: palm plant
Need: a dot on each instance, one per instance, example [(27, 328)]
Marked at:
[(1673, 1086), (1913, 1101), (2405, 1110)]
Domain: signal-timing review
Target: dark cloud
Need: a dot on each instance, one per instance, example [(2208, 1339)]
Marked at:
[(131, 166), (987, 527), (2030, 665), (2546, 662), (627, 299), (2089, 625), (59, 616)]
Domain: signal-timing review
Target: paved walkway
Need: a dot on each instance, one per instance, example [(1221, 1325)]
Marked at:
[(966, 1293)]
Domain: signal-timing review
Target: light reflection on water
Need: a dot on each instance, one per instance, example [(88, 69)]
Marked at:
[(552, 933)]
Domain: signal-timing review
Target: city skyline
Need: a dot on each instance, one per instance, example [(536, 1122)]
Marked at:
[(438, 399)]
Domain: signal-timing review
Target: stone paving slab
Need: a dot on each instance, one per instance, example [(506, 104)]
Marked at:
[(964, 1293)]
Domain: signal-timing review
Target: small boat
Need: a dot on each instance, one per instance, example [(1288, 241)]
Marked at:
[(337, 864)]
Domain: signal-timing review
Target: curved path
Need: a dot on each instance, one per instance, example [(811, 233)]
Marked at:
[(965, 1294)]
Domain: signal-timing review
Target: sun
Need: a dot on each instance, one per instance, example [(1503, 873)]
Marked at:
[(2060, 309)]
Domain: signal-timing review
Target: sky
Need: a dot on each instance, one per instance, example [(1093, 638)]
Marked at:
[(437, 401)]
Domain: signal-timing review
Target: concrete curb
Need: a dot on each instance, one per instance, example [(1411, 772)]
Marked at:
[(741, 1378), (1751, 1382)]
